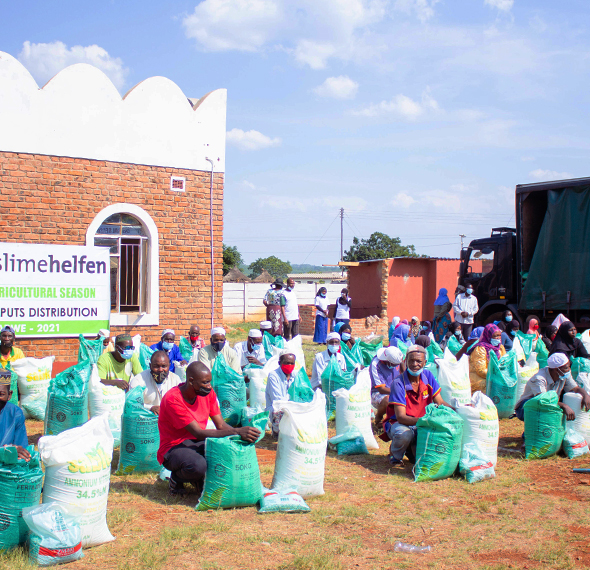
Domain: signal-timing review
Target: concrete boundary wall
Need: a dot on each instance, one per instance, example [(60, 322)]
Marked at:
[(243, 301)]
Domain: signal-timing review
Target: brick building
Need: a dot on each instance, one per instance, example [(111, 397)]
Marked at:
[(79, 165)]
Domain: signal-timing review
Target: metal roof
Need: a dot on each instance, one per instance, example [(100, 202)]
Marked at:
[(318, 275), (552, 185), (354, 263)]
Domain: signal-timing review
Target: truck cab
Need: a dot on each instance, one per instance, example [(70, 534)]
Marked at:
[(489, 266)]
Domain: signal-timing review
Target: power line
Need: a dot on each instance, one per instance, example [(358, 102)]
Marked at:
[(320, 238)]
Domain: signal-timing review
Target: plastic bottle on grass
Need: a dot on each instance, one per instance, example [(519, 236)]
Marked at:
[(403, 547)]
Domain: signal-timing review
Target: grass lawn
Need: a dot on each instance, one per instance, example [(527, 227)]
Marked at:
[(534, 514)]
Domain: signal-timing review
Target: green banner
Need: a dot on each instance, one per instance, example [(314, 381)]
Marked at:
[(60, 328)]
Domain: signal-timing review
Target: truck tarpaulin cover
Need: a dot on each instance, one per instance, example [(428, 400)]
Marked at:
[(562, 251)]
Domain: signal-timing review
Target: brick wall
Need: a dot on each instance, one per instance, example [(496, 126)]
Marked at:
[(51, 199)]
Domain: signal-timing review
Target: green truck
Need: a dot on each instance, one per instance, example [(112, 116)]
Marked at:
[(540, 268)]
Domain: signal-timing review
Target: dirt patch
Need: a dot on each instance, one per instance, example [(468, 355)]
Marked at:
[(266, 456), (511, 558), (557, 479)]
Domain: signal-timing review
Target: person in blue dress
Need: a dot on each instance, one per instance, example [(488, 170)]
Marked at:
[(171, 349), (442, 315), (12, 419), (321, 316)]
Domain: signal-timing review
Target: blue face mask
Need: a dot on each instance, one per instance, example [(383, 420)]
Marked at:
[(513, 333), (345, 336), (323, 295), (565, 377), (469, 291), (127, 353), (167, 345), (333, 348), (457, 333), (495, 342), (508, 318), (415, 373)]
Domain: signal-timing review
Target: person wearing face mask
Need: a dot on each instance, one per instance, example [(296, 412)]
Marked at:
[(291, 324), (219, 345), (384, 367), (465, 308), (251, 350), (490, 341), (321, 316), (566, 342), (194, 337), (157, 380), (345, 333), (454, 330), (322, 359), (549, 336), (167, 345), (410, 393), (277, 387), (556, 377), (8, 352), (118, 367), (182, 423), (12, 420), (507, 317)]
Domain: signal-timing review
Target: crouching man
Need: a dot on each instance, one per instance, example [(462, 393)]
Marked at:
[(410, 393), (182, 423)]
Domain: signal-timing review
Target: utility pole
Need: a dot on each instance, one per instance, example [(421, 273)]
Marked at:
[(462, 236), (342, 237)]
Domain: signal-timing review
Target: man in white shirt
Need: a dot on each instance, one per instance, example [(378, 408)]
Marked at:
[(291, 325), (251, 350), (322, 359), (157, 380), (219, 345), (465, 308)]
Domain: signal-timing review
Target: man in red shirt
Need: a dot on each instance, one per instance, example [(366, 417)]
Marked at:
[(182, 423)]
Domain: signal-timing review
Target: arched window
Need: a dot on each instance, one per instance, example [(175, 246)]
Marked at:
[(132, 238)]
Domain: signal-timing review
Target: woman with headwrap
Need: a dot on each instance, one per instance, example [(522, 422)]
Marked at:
[(426, 330), (401, 333), (549, 336), (534, 328), (321, 316), (415, 327), (275, 302), (442, 315), (454, 330), (507, 318), (567, 343), (395, 322), (423, 341), (489, 341), (345, 333)]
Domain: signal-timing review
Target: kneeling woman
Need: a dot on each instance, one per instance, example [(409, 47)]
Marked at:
[(490, 341)]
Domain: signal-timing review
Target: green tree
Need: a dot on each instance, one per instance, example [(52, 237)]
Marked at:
[(378, 246), (231, 258), (272, 264)]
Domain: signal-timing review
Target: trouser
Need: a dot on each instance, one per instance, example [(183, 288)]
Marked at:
[(466, 330), (187, 461), (519, 410), (291, 329), (401, 437)]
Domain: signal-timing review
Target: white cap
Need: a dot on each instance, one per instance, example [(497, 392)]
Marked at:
[(332, 335), (104, 332), (390, 354), (557, 360), (286, 351), (218, 330), (168, 331), (254, 333), (265, 325)]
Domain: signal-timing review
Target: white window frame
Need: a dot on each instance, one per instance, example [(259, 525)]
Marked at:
[(152, 315)]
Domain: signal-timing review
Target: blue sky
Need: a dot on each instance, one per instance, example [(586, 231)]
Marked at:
[(417, 116)]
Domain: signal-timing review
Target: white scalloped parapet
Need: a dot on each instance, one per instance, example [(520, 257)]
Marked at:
[(79, 113)]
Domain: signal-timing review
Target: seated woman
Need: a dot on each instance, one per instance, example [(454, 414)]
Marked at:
[(489, 341), (507, 341), (415, 327), (454, 330), (395, 322), (401, 333), (567, 343), (549, 336), (534, 328), (12, 419), (322, 359), (345, 333)]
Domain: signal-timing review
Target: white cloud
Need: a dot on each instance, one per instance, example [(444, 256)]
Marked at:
[(250, 140), (402, 199), (546, 175), (45, 60), (313, 31), (341, 87), (423, 9), (504, 5), (401, 106)]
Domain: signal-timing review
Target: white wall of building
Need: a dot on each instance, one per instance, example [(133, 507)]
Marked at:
[(79, 113), (243, 301)]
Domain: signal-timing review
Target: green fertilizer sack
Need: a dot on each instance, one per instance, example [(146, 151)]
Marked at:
[(301, 390), (574, 444), (527, 341), (334, 378), (288, 501), (140, 438), (544, 426), (20, 487), (403, 347), (440, 432), (186, 349), (269, 341), (352, 357), (434, 351), (145, 355), (369, 349), (67, 400), (233, 476), (351, 442), (90, 349), (542, 353), (255, 417), (230, 388), (454, 345), (13, 384), (502, 383), (579, 365)]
